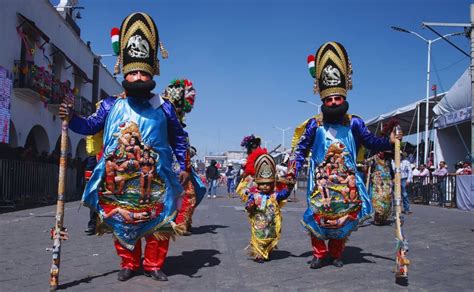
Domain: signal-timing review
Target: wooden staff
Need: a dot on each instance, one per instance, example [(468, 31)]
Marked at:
[(58, 228), (369, 171), (367, 180), (402, 262)]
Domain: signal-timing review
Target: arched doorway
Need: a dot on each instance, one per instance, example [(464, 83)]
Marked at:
[(37, 140), (81, 149)]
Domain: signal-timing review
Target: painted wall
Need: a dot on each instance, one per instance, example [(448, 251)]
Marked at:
[(26, 113)]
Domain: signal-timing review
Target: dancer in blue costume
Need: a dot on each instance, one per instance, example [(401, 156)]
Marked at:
[(336, 196), (133, 187), (181, 93)]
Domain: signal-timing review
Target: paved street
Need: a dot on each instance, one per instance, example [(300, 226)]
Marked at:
[(214, 257)]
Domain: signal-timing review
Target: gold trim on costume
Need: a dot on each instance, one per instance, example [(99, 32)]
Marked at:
[(149, 34), (311, 230), (333, 91), (135, 66), (341, 54), (330, 55), (318, 56)]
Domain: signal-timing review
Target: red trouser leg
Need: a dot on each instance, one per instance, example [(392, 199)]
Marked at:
[(130, 259), (155, 253), (319, 248), (336, 247), (184, 211), (187, 206)]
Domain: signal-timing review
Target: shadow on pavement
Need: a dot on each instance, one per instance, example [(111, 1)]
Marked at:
[(355, 255), (190, 262), (207, 229), (280, 254), (352, 255), (305, 254), (84, 280)]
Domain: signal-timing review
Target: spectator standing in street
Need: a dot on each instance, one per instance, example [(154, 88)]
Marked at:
[(407, 177), (441, 173), (423, 176), (424, 172), (230, 174), (415, 170), (212, 175), (467, 170), (463, 168), (458, 167)]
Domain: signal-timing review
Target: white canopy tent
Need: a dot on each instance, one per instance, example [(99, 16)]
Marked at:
[(453, 129), (407, 116), (450, 114), (411, 118)]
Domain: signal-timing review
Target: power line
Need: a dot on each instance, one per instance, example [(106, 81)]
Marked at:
[(451, 65)]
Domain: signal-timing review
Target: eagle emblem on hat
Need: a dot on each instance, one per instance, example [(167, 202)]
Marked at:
[(138, 47), (331, 76)]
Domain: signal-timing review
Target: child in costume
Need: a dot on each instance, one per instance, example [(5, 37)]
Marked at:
[(263, 207)]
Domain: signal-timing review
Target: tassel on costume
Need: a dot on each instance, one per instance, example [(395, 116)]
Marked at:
[(164, 52), (179, 229), (117, 65)]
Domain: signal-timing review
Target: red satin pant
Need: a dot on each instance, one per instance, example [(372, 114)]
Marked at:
[(335, 248), (187, 205), (154, 258)]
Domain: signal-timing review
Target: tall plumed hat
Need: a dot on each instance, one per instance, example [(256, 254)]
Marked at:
[(265, 169), (250, 142), (331, 69), (138, 45)]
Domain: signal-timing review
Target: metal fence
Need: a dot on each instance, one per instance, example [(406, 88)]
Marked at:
[(434, 190), (24, 183), (430, 190)]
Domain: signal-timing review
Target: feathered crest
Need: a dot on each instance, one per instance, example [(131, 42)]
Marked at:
[(250, 141)]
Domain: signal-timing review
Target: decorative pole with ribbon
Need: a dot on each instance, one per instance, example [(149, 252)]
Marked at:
[(58, 227), (402, 262)]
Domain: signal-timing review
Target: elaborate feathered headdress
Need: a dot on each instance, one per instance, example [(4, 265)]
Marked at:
[(331, 69), (250, 142)]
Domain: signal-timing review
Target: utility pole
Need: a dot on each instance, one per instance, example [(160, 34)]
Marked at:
[(472, 83)]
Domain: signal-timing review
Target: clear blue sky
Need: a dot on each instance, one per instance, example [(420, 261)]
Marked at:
[(247, 58)]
